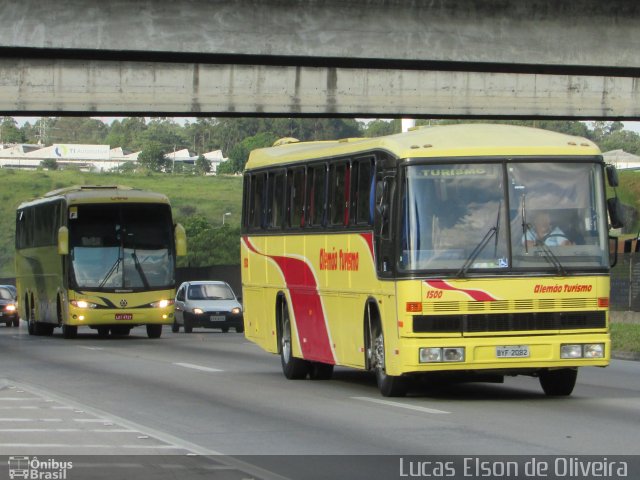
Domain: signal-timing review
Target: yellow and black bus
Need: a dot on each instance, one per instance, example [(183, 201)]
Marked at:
[(97, 256), (475, 250)]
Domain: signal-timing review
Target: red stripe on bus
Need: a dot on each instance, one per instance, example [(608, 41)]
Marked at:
[(368, 238), (478, 295), (307, 307)]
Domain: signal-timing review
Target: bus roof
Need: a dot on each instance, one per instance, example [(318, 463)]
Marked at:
[(460, 140), (79, 194)]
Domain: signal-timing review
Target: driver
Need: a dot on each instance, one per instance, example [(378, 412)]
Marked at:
[(543, 233)]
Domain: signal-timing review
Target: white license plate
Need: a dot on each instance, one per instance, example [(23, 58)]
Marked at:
[(217, 318), (512, 351)]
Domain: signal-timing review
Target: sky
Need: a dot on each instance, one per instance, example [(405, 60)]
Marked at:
[(633, 126)]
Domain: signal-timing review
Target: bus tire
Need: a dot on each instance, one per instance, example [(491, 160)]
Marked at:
[(389, 385), (292, 367), (103, 332), (69, 331), (558, 383), (154, 330), (320, 371)]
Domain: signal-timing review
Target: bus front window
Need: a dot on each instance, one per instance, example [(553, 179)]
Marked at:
[(456, 218), (125, 246)]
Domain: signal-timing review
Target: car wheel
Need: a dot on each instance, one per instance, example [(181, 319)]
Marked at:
[(175, 328), (239, 329), (154, 330), (8, 324), (16, 322), (292, 367), (69, 331), (224, 329), (558, 383)]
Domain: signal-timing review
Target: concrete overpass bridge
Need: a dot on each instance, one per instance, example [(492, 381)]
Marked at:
[(420, 58)]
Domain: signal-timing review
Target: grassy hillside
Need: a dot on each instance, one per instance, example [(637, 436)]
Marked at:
[(210, 197)]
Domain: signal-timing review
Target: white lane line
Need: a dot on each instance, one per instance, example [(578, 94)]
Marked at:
[(22, 407), (64, 430), (90, 420), (198, 367), (401, 405), (92, 348), (20, 399), (30, 419)]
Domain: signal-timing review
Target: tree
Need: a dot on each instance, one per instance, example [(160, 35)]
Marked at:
[(49, 164), (203, 165), (378, 128), (9, 131), (152, 158)]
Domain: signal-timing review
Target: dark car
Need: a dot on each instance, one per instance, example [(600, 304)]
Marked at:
[(207, 304), (8, 307)]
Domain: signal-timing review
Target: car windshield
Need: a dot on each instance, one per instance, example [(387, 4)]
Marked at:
[(5, 294), (210, 292), (122, 246), (503, 216)]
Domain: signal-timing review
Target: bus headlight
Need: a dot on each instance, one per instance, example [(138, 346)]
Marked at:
[(162, 303), (446, 354), (593, 350), (582, 350), (82, 304)]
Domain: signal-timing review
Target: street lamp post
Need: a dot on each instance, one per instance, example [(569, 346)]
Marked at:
[(225, 215)]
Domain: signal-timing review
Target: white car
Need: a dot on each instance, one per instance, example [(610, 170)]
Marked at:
[(207, 304)]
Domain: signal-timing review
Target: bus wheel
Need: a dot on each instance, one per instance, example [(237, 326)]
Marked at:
[(154, 330), (69, 331), (292, 367), (320, 371), (175, 328), (389, 385), (103, 332), (31, 327), (558, 383)]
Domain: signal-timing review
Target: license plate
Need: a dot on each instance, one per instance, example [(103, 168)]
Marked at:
[(124, 316), (217, 318), (512, 351)]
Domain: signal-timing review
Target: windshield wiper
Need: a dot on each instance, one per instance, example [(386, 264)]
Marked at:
[(136, 262), (111, 271), (548, 253), (476, 251)]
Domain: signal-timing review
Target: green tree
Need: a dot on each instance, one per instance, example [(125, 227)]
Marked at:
[(203, 165), (9, 131), (378, 128), (49, 164), (152, 158), (239, 154)]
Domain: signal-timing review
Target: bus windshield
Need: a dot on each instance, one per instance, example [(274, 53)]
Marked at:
[(121, 246), (525, 216)]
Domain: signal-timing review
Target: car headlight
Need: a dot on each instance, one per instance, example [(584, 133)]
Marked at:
[(236, 311), (162, 303), (82, 304), (10, 308), (197, 311)]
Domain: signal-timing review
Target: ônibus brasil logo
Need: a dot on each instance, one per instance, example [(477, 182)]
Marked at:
[(32, 468)]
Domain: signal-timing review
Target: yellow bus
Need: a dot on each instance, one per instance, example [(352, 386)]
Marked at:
[(97, 256), (475, 250)]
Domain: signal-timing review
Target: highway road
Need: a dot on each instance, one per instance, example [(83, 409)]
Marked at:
[(206, 393)]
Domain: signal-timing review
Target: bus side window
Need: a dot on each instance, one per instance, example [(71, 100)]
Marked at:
[(295, 198), (363, 199), (339, 174), (256, 208), (316, 186), (276, 199)]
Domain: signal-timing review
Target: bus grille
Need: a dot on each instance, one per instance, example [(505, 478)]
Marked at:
[(508, 322), (510, 305)]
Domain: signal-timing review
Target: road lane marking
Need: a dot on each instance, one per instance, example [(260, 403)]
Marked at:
[(389, 403), (198, 367), (92, 348)]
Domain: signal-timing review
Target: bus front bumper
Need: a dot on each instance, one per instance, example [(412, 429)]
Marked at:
[(96, 317), (504, 353)]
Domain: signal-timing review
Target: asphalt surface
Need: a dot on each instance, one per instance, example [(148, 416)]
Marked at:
[(210, 393)]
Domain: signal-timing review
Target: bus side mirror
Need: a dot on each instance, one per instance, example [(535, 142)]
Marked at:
[(63, 241), (612, 175), (181, 240), (613, 251), (615, 212)]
